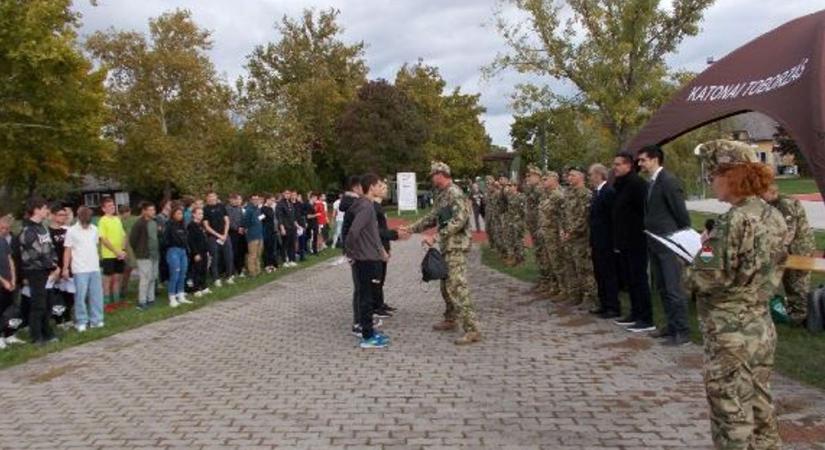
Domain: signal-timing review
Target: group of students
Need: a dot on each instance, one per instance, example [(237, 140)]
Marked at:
[(77, 267)]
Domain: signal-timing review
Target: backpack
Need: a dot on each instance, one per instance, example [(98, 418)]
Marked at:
[(816, 310), (433, 267)]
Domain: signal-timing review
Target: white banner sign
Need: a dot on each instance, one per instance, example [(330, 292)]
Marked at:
[(407, 192)]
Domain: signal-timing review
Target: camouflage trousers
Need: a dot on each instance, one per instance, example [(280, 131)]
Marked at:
[(514, 242), (541, 255), (797, 283), (737, 373), (456, 293), (577, 277), (555, 265)]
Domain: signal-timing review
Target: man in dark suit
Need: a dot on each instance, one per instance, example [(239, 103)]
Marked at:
[(630, 242), (666, 213), (601, 242)]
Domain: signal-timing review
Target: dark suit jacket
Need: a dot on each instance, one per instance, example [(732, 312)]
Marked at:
[(666, 211), (601, 218), (629, 212)]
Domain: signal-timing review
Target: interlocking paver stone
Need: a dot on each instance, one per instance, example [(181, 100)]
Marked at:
[(278, 368)]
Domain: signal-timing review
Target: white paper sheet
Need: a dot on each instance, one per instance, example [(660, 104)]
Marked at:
[(686, 243)]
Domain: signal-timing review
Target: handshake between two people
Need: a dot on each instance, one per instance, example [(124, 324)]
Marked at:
[(404, 233)]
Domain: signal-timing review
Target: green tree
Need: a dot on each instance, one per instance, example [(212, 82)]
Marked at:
[(170, 110), (612, 51), (382, 131), (51, 99), (457, 135), (314, 75), (785, 145)]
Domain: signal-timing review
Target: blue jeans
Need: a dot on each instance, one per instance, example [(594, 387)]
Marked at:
[(90, 283), (178, 265)]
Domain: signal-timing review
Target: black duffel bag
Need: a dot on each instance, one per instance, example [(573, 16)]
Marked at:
[(433, 267)]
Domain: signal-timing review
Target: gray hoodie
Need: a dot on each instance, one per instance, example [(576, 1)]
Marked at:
[(363, 243)]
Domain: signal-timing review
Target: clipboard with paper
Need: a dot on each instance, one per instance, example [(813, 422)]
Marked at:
[(686, 243)]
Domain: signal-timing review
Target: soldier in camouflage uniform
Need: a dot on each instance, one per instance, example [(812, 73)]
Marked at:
[(797, 283), (513, 222), (451, 214), (533, 193), (491, 213), (734, 276), (500, 218), (580, 285), (549, 233)]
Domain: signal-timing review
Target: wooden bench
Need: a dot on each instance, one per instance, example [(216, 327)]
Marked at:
[(807, 263)]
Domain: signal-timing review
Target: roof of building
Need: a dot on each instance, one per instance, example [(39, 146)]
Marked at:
[(759, 126)]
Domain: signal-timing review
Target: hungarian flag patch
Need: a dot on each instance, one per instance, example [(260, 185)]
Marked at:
[(706, 255)]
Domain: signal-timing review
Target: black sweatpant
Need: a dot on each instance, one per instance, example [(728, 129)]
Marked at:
[(198, 271), (368, 274), (270, 250), (40, 327), (379, 290), (289, 242), (238, 251)]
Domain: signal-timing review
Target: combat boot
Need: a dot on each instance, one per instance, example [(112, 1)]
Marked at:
[(445, 325), (468, 338)]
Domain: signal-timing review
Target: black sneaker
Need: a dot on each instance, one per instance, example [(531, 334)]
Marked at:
[(389, 308), (625, 321), (677, 340), (382, 313), (641, 327), (609, 314)]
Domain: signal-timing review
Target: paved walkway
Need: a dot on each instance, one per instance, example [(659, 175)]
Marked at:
[(278, 368), (815, 210)]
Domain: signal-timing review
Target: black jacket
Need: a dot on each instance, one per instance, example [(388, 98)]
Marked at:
[(345, 206), (601, 218), (269, 221), (384, 231), (139, 237), (37, 251), (629, 212), (285, 211), (175, 235), (666, 211), (196, 237)]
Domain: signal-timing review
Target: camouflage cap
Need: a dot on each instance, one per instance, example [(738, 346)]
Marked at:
[(439, 167), (579, 169), (721, 151), (533, 170), (550, 174)]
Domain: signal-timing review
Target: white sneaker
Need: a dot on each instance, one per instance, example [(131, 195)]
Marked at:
[(2, 343), (183, 300), (173, 301), (218, 283), (206, 291), (242, 275), (230, 280), (198, 294), (11, 340), (99, 325), (80, 328)]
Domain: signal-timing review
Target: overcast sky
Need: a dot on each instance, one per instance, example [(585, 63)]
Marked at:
[(455, 35)]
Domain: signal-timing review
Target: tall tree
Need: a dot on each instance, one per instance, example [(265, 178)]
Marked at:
[(170, 110), (382, 131), (51, 98), (612, 51), (786, 145), (457, 135), (315, 75)]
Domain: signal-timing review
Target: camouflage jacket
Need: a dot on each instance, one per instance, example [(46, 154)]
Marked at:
[(451, 214), (576, 212), (516, 208), (739, 268), (532, 198), (800, 234), (550, 210)]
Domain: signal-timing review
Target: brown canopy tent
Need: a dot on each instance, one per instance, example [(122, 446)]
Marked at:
[(780, 74)]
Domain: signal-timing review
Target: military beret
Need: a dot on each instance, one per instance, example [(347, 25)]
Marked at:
[(721, 151), (439, 167)]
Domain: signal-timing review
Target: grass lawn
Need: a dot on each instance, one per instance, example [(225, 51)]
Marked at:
[(799, 355), (129, 317), (792, 186)]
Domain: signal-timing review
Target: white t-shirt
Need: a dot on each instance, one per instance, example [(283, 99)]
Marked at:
[(339, 215), (83, 242)]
